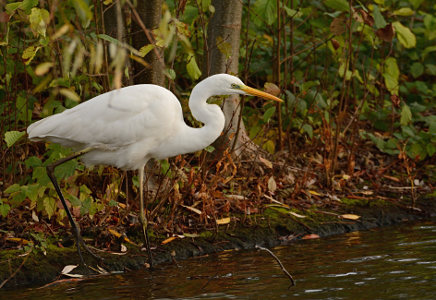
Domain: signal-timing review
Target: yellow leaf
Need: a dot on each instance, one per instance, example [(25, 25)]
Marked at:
[(169, 240), (70, 94), (350, 217), (18, 240), (315, 193), (43, 68), (61, 31), (223, 221), (114, 233)]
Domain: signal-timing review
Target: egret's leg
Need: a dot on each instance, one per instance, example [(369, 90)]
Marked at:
[(76, 230), (142, 218)]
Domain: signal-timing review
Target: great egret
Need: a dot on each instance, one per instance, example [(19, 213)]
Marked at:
[(127, 127)]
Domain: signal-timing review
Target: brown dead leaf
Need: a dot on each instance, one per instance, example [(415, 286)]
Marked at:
[(272, 185), (386, 33), (266, 162), (272, 89), (338, 25)]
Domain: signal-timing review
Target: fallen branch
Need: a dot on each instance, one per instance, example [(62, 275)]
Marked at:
[(280, 264)]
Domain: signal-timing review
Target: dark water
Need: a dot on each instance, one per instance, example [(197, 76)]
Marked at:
[(391, 263)]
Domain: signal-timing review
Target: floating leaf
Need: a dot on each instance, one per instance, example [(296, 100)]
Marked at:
[(11, 137), (310, 236), (68, 269), (223, 221)]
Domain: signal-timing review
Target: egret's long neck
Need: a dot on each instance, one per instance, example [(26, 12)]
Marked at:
[(209, 114)]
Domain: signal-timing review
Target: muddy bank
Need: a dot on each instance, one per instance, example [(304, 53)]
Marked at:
[(275, 226)]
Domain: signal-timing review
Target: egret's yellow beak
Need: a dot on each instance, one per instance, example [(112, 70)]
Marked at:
[(255, 92)]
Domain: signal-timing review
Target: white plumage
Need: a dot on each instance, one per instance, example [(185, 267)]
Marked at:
[(127, 127)]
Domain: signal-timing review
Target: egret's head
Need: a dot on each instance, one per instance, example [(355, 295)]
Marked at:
[(225, 84)]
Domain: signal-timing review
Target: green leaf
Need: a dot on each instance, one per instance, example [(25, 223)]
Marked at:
[(11, 137), (192, 68), (49, 206), (29, 53), (11, 7), (39, 19), (26, 5), (145, 49), (391, 75), (266, 10), (13, 189), (379, 20), (341, 5), (4, 209), (269, 113), (417, 69), (308, 129), (66, 169), (32, 162), (404, 11), (405, 35), (74, 200), (84, 12), (406, 115), (431, 149)]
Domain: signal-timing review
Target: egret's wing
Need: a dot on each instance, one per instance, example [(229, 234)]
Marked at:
[(113, 120)]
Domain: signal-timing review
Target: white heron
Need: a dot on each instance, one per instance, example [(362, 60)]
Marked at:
[(127, 127)]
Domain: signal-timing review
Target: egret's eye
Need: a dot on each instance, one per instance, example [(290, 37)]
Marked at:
[(235, 86)]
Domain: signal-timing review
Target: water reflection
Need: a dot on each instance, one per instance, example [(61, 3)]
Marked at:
[(391, 263)]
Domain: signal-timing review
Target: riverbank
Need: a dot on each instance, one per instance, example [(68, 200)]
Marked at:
[(278, 224)]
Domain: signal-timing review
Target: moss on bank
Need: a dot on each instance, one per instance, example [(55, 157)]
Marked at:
[(274, 226)]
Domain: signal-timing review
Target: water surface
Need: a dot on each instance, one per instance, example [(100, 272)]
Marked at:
[(391, 263)]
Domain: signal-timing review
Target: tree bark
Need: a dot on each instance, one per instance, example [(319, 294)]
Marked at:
[(224, 30), (150, 13)]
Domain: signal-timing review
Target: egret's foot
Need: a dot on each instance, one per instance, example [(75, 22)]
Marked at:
[(147, 244)]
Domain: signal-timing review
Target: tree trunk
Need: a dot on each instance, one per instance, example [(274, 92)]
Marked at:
[(225, 30), (150, 13)]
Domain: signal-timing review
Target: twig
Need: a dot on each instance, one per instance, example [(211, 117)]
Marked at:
[(16, 271), (280, 264)]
